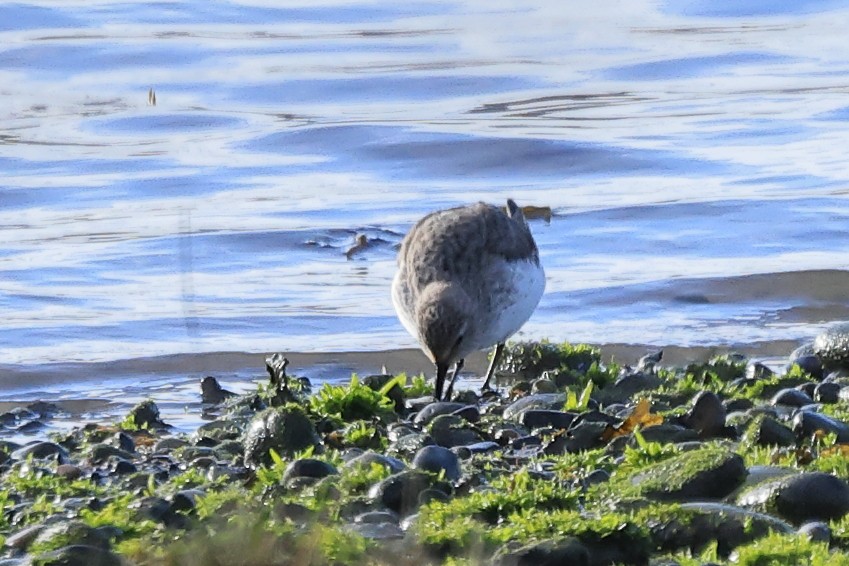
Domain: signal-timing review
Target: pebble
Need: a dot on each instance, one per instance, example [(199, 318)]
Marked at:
[(438, 460)]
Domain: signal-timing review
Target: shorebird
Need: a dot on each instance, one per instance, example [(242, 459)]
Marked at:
[(468, 278)]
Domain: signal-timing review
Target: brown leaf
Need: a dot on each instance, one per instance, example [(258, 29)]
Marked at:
[(641, 416)]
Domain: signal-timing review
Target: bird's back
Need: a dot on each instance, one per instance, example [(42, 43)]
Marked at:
[(455, 244)]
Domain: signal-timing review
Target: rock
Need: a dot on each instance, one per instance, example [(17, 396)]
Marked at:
[(827, 393), (470, 413), (69, 471), (308, 467), (433, 410), (542, 418), (628, 385), (79, 555), (832, 346), (668, 433), (770, 432), (376, 531), (791, 398), (21, 539), (285, 429), (436, 459), (100, 453), (145, 415), (543, 385), (806, 423), (366, 459), (41, 450), (568, 550), (451, 430), (547, 401), (811, 365), (709, 473), (400, 492), (71, 533), (212, 393), (377, 517), (798, 498), (707, 415), (816, 531)]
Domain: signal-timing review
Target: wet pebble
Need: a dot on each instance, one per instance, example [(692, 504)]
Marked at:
[(545, 401), (400, 492), (832, 346), (806, 423), (827, 393), (706, 415), (41, 450), (436, 459), (791, 397), (803, 497), (542, 418), (816, 531), (568, 550), (285, 430), (308, 467), (79, 555), (433, 410)]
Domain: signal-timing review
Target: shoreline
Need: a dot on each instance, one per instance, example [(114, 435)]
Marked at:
[(333, 366)]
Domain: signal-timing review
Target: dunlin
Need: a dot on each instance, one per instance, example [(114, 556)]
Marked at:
[(468, 278)]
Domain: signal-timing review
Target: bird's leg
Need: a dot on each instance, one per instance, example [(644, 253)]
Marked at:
[(492, 365), (441, 371), (450, 391)]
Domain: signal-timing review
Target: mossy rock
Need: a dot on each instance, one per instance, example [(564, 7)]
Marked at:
[(798, 498), (832, 346), (527, 360), (709, 473), (286, 430)]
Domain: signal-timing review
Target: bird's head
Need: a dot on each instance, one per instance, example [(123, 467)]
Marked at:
[(444, 316)]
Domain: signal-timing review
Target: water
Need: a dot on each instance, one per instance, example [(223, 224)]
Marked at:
[(693, 155)]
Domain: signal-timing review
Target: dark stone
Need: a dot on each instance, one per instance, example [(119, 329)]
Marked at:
[(483, 447), (100, 453), (569, 551), (816, 531), (546, 401), (770, 432), (22, 539), (706, 416), (799, 498), (212, 393), (69, 471), (146, 415), (827, 393), (469, 413), (628, 385), (366, 459), (395, 394), (436, 459), (541, 418), (376, 531), (124, 441), (596, 477), (186, 499), (791, 397), (78, 555), (400, 492), (308, 467), (41, 450), (832, 346), (377, 517), (810, 364), (286, 430), (806, 423), (71, 533), (433, 410), (451, 430)]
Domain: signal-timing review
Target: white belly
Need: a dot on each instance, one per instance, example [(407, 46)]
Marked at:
[(516, 288)]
